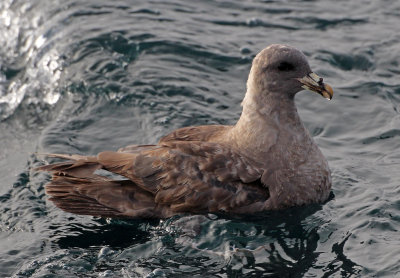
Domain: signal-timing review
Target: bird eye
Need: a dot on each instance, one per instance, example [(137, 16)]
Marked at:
[(285, 66)]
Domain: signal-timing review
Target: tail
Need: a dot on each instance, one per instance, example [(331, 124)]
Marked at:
[(76, 188)]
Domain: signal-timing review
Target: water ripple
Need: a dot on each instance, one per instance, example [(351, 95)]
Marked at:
[(84, 77)]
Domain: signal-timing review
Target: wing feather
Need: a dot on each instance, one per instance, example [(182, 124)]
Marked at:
[(165, 179)]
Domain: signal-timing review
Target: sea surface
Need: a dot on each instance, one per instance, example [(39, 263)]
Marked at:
[(81, 76)]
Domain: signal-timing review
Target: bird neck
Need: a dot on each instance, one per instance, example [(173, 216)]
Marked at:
[(269, 109), (265, 118)]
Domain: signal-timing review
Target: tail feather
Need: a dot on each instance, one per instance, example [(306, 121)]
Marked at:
[(72, 168), (77, 189), (84, 206)]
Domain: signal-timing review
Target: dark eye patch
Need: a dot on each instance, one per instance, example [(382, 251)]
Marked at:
[(285, 66)]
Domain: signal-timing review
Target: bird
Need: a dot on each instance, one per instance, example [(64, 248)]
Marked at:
[(266, 161)]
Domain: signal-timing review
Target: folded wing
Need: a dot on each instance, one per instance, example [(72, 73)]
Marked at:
[(159, 181)]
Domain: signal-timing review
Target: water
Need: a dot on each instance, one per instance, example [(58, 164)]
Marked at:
[(81, 77)]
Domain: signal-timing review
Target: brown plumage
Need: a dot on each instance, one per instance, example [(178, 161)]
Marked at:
[(266, 161)]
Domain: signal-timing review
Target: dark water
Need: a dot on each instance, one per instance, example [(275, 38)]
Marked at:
[(85, 76)]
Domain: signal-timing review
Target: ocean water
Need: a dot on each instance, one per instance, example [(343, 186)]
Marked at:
[(85, 76)]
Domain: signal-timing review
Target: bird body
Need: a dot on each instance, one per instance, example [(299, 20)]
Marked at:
[(266, 161)]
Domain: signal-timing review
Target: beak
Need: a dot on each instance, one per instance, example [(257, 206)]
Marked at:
[(314, 83)]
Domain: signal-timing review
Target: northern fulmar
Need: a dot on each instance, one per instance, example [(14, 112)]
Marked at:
[(266, 161)]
